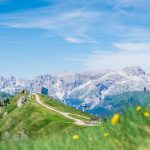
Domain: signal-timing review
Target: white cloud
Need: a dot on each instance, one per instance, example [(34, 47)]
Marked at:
[(133, 46), (127, 54), (136, 34), (80, 39), (74, 40), (49, 19), (72, 25)]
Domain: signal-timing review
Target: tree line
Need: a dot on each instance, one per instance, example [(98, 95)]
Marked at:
[(5, 102)]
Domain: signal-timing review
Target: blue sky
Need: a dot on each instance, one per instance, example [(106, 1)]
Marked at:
[(46, 36)]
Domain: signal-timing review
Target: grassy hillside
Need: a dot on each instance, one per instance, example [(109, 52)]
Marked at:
[(33, 127), (32, 120), (62, 107), (130, 131)]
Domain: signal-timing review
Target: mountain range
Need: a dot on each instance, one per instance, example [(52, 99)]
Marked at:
[(90, 88)]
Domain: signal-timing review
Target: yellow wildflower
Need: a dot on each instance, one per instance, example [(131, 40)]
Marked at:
[(146, 114), (138, 108), (115, 119), (106, 134), (75, 137)]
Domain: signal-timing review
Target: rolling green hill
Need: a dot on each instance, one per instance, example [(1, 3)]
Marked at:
[(131, 132), (39, 125), (62, 107), (33, 120)]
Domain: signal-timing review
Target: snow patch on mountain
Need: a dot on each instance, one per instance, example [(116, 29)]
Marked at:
[(88, 88)]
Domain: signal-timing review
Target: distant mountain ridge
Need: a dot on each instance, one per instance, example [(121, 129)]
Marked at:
[(89, 88)]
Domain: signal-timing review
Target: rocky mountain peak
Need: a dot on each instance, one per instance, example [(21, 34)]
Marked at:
[(134, 71)]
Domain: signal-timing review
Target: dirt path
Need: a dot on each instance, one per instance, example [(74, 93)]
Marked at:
[(67, 115)]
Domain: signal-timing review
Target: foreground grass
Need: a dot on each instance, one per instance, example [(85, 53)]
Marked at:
[(131, 132)]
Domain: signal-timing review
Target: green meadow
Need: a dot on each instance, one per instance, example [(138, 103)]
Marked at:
[(33, 127)]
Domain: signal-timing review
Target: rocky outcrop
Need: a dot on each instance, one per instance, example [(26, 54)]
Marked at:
[(22, 101)]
